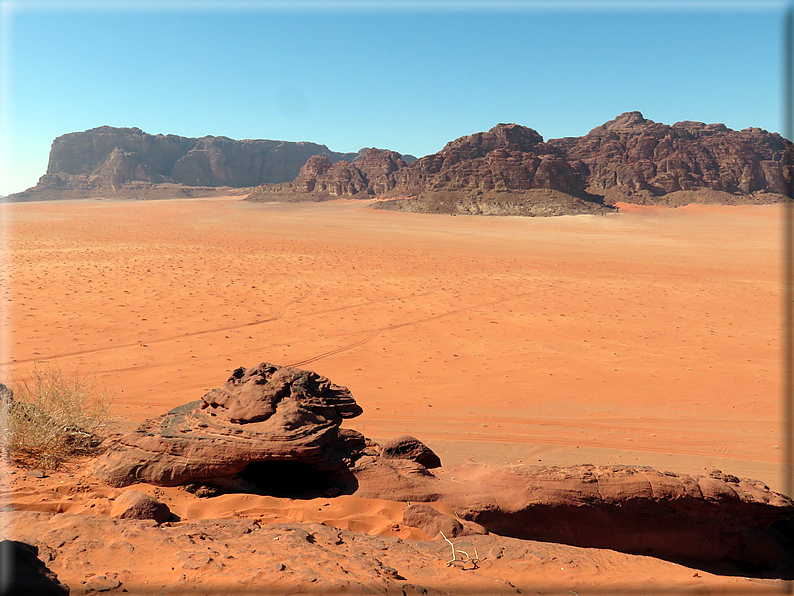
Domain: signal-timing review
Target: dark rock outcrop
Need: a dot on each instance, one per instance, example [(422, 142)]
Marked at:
[(508, 157), (269, 429), (108, 161), (716, 522), (372, 173), (24, 573)]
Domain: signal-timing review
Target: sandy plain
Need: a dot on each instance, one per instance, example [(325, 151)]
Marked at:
[(648, 337)]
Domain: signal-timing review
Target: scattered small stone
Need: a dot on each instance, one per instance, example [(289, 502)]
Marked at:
[(103, 583)]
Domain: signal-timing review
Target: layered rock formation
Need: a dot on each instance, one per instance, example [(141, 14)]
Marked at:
[(269, 429), (109, 161), (717, 522), (370, 174), (276, 431)]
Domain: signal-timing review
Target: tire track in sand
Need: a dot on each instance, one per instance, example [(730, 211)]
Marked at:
[(280, 313), (388, 328)]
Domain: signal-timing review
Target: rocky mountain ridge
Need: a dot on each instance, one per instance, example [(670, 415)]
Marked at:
[(511, 170), (637, 160), (508, 170)]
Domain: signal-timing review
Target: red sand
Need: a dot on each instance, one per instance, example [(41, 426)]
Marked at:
[(648, 337)]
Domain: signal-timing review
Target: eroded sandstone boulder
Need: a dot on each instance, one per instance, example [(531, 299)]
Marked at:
[(269, 429), (436, 524), (728, 524), (408, 447)]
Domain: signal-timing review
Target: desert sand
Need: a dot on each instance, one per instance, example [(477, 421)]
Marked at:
[(648, 337)]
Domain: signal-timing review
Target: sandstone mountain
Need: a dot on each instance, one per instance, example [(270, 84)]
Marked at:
[(109, 161), (510, 170), (636, 160), (506, 171)]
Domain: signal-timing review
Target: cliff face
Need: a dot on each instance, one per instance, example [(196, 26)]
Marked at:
[(109, 160), (505, 171)]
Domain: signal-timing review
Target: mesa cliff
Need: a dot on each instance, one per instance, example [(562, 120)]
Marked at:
[(129, 163)]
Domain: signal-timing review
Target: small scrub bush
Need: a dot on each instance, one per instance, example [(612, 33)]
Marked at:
[(52, 416)]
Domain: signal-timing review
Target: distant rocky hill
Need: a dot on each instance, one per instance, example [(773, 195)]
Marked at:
[(370, 174), (510, 170), (109, 161), (636, 160)]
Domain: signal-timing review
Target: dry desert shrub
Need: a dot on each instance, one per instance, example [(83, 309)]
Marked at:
[(53, 416)]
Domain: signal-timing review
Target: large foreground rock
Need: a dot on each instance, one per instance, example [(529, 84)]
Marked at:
[(729, 524), (269, 429), (243, 556)]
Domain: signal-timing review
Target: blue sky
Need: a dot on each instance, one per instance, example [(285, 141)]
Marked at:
[(407, 76)]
